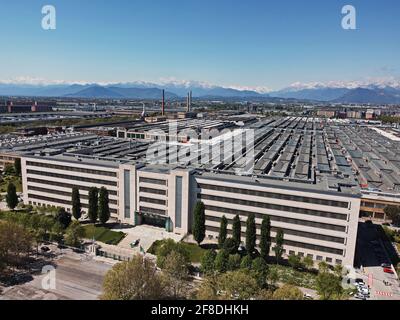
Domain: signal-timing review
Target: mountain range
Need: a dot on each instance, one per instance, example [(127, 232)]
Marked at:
[(372, 93)]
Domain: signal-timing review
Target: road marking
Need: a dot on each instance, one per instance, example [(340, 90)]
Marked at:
[(384, 293), (370, 280)]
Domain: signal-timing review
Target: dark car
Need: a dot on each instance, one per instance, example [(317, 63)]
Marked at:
[(45, 249)]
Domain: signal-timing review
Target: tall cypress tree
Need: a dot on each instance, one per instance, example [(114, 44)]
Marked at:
[(104, 207), (265, 241), (223, 231), (93, 204), (237, 231), (279, 245), (11, 197), (76, 203), (251, 234), (17, 166), (199, 222)]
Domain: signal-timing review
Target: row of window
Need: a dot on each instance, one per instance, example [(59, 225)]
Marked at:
[(278, 207), (264, 194), (306, 223), (152, 210), (153, 191), (151, 200), (69, 177), (373, 205), (60, 201), (64, 193), (74, 169), (292, 232), (153, 181), (290, 243), (65, 185)]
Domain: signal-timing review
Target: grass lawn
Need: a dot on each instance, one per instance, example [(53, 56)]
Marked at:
[(103, 234), (298, 278), (14, 179), (195, 252)]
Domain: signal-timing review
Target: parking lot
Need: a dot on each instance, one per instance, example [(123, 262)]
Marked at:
[(370, 257)]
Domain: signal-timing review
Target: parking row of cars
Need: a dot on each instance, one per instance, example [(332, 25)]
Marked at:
[(363, 291)]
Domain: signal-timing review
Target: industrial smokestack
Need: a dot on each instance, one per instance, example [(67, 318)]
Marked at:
[(163, 103), (188, 102)]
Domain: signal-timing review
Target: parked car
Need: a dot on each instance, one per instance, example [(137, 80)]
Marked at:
[(386, 265), (359, 281), (360, 296), (388, 270)]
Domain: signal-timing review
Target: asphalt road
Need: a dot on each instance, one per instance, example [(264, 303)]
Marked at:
[(77, 277)]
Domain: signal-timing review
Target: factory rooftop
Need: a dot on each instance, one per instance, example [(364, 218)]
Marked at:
[(295, 151)]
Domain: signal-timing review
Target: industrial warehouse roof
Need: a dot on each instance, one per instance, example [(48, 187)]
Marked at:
[(287, 150)]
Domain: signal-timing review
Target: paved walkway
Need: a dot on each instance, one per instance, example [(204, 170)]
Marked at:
[(146, 234)]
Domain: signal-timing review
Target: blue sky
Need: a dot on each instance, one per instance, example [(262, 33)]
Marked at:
[(229, 42)]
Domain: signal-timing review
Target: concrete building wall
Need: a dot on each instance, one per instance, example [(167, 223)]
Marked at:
[(330, 238), (315, 222), (47, 182)]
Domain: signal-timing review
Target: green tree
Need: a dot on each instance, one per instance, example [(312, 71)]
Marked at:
[(246, 262), (74, 234), (11, 197), (208, 262), (234, 261), (288, 292), (137, 279), (167, 247), (93, 208), (199, 227), (63, 217), (221, 261), (265, 241), (229, 246), (17, 166), (259, 269), (328, 286), (209, 288), (308, 262), (237, 231), (76, 203), (251, 234), (338, 269), (56, 232), (9, 170), (278, 249), (273, 277), (176, 273), (295, 261), (323, 267), (238, 285), (393, 213), (15, 244), (104, 207), (223, 231)]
